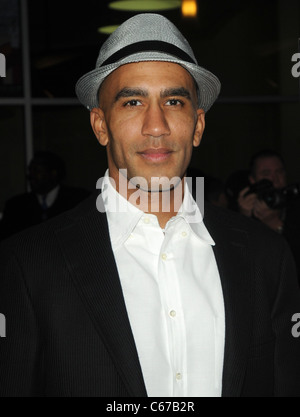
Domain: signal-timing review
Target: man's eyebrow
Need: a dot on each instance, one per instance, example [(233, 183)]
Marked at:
[(131, 92), (176, 91), (127, 92)]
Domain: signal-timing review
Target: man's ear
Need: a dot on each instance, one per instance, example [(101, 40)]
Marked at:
[(99, 127), (200, 126)]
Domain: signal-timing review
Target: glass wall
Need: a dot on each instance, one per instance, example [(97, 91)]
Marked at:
[(12, 137), (49, 44), (11, 48), (12, 155)]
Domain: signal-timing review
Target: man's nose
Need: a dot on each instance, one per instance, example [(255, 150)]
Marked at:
[(155, 123)]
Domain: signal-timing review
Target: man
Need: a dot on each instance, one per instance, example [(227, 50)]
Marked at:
[(48, 198), (269, 165), (134, 300)]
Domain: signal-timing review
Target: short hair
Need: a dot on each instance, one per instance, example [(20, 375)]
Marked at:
[(266, 153)]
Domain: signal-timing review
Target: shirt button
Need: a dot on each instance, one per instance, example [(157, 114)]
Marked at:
[(178, 376), (164, 256), (146, 220), (184, 234), (173, 313)]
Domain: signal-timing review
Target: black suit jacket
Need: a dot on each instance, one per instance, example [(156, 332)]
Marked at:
[(68, 333)]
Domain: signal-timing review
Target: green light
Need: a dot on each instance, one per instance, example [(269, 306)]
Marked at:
[(108, 30), (145, 5)]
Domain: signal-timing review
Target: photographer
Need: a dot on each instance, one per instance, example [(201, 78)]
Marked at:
[(283, 217)]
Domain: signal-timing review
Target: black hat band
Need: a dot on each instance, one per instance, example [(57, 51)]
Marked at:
[(144, 46)]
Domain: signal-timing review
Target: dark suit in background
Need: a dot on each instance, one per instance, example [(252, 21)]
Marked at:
[(24, 211), (46, 173), (68, 333)]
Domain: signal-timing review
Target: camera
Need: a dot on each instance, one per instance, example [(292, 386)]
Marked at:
[(274, 198)]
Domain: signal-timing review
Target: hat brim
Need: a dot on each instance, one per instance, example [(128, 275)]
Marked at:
[(88, 86)]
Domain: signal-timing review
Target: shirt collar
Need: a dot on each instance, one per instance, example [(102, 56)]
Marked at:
[(49, 198), (123, 216), (193, 216)]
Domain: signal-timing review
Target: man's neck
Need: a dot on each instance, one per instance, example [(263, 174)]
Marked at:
[(163, 204), (163, 214)]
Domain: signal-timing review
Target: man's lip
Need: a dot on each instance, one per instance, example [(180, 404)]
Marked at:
[(156, 151), (156, 155)]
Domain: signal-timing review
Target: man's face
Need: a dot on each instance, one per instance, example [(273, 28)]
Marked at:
[(148, 119), (42, 178), (270, 168)]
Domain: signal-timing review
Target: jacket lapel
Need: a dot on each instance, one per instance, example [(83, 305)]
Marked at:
[(86, 246), (235, 269), (87, 250)]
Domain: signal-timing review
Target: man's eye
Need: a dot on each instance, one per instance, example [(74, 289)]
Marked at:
[(175, 102), (132, 103)]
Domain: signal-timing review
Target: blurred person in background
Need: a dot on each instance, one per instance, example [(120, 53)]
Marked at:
[(235, 183), (47, 199), (283, 217), (214, 192), (214, 188)]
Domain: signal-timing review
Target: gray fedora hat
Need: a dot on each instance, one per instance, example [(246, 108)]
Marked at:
[(146, 37)]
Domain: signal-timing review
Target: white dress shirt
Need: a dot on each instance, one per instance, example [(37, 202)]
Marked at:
[(50, 198), (173, 296)]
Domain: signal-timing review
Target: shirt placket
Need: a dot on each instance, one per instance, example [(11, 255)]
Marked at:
[(172, 305)]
